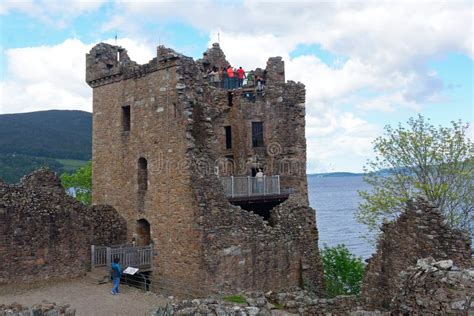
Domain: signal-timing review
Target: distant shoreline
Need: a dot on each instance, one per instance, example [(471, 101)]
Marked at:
[(335, 174)]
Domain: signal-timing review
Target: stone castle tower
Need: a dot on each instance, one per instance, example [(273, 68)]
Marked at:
[(178, 155)]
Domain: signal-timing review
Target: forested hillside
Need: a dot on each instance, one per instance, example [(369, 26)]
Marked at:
[(61, 140)]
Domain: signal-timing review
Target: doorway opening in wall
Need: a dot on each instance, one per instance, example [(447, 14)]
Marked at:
[(254, 172), (143, 232), (229, 98)]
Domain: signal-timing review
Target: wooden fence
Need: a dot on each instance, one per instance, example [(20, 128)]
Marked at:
[(130, 256)]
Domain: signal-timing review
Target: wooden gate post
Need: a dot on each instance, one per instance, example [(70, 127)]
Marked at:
[(92, 256), (109, 257)]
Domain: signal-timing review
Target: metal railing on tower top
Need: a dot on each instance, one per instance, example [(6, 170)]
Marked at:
[(220, 80)]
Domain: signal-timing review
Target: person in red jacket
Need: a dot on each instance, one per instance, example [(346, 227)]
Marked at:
[(241, 76)]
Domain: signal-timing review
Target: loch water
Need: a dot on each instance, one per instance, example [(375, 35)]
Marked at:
[(336, 200)]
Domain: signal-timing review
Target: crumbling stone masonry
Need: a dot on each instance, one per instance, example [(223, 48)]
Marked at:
[(163, 138), (45, 234), (435, 288), (419, 232), (44, 308)]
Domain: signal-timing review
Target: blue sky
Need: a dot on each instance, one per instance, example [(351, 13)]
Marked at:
[(365, 65)]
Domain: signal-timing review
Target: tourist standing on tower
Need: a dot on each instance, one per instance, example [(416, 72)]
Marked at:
[(241, 76), (230, 75)]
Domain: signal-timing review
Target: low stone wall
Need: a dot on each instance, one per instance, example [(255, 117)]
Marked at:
[(419, 232), (45, 233), (306, 303), (294, 302), (435, 288), (211, 307), (44, 308)]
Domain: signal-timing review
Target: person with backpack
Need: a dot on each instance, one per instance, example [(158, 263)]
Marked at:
[(116, 273)]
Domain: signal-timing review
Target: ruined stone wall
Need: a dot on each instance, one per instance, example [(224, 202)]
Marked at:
[(419, 232), (242, 251), (46, 234), (435, 288)]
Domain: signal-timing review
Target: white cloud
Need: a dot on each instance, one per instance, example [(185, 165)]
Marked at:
[(54, 12), (386, 43), (385, 47), (338, 142), (53, 77), (251, 51)]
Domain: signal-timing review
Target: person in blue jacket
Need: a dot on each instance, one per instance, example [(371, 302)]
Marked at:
[(116, 272)]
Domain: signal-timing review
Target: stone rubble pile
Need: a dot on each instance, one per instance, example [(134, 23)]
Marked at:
[(44, 308), (435, 288)]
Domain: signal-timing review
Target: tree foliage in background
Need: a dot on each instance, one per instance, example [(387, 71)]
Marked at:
[(81, 182), (437, 162), (13, 166), (343, 271)]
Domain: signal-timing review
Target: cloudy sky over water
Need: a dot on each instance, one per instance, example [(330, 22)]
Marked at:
[(365, 64)]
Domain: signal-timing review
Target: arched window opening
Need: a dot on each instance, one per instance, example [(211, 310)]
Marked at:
[(142, 174), (143, 232)]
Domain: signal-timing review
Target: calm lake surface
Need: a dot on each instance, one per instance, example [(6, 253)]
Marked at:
[(335, 200)]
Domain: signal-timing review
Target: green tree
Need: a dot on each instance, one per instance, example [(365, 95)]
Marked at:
[(436, 162), (81, 182), (343, 271)]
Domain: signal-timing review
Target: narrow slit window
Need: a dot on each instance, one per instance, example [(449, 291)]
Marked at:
[(142, 174), (229, 98), (257, 134), (126, 118), (228, 137), (175, 110)]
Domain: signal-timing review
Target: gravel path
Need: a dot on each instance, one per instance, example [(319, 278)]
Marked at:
[(88, 299)]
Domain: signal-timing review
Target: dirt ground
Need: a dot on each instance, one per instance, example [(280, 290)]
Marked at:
[(88, 299)]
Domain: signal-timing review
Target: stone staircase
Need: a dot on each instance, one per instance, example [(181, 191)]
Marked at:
[(99, 275)]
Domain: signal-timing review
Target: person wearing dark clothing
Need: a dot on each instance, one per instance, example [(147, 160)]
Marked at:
[(225, 78), (116, 272)]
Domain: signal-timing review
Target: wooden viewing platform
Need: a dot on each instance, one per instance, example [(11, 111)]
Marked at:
[(140, 257), (278, 198)]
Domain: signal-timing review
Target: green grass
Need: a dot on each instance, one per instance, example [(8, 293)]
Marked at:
[(235, 299), (279, 306), (70, 165)]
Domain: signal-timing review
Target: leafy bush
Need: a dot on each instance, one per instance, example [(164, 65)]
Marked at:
[(343, 271), (80, 182)]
